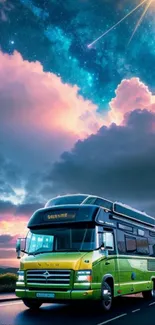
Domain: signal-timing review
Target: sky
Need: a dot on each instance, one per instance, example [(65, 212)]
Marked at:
[(77, 115)]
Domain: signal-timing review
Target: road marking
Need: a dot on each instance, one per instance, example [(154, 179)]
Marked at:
[(111, 319), (10, 304), (134, 311), (152, 303)]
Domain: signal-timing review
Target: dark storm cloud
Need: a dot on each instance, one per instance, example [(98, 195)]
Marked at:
[(7, 241), (9, 172), (5, 189), (7, 207), (11, 177), (28, 209), (5, 238), (25, 210), (118, 163)]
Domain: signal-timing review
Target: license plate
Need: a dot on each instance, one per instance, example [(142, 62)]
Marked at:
[(45, 295)]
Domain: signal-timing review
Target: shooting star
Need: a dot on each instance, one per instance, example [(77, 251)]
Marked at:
[(119, 22)]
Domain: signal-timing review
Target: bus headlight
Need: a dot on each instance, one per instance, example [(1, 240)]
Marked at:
[(84, 276), (20, 276)]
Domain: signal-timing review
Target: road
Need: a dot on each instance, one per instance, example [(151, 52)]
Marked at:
[(127, 310)]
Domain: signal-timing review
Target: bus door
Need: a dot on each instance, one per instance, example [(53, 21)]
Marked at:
[(110, 262)]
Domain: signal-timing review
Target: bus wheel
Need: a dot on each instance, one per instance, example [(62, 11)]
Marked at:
[(148, 295), (32, 304), (107, 297)]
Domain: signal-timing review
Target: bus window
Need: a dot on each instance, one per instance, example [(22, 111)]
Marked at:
[(120, 242), (140, 232), (125, 228), (142, 246), (131, 244)]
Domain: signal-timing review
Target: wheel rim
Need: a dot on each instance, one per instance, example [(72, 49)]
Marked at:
[(153, 293), (107, 300)]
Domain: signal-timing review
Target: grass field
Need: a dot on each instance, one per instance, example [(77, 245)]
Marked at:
[(7, 282)]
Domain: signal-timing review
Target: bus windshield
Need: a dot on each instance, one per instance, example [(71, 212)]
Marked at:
[(64, 239)]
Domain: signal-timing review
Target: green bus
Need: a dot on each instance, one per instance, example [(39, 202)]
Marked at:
[(86, 248)]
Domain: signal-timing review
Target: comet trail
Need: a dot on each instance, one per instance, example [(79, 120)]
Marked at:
[(119, 22)]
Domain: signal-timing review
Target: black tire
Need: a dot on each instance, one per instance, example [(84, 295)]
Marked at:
[(147, 295), (106, 303), (32, 304)]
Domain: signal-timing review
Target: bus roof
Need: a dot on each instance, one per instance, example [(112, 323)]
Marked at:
[(116, 208)]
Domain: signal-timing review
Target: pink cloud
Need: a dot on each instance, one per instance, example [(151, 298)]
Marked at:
[(131, 94), (40, 116), (13, 226), (40, 99)]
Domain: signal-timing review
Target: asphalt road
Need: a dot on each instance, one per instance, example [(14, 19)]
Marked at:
[(126, 311)]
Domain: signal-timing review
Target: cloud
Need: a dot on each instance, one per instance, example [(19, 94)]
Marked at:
[(118, 163), (26, 210), (14, 217), (8, 257), (131, 94), (40, 116), (7, 241), (10, 180)]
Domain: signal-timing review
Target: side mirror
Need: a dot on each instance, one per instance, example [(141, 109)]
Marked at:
[(20, 246), (108, 240)]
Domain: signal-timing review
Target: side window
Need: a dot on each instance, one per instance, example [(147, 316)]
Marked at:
[(138, 245), (131, 246), (121, 242), (108, 240), (151, 239), (142, 246), (124, 227), (140, 232), (151, 246)]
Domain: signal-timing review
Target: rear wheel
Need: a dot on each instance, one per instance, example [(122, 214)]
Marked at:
[(148, 295), (32, 304), (107, 297)]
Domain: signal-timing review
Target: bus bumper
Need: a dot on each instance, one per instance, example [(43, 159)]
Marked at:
[(60, 296)]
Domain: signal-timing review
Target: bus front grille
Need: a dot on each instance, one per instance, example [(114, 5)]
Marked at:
[(54, 277)]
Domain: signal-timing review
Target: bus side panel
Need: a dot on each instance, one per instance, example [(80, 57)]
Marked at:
[(105, 267), (133, 274), (135, 270)]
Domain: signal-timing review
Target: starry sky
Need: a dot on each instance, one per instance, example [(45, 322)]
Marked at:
[(74, 118)]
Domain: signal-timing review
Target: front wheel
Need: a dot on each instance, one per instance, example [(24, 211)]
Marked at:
[(106, 297), (32, 304)]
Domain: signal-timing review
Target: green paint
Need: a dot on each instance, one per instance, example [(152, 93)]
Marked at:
[(120, 268)]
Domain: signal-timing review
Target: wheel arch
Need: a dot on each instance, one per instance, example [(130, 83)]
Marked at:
[(153, 280), (109, 279)]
